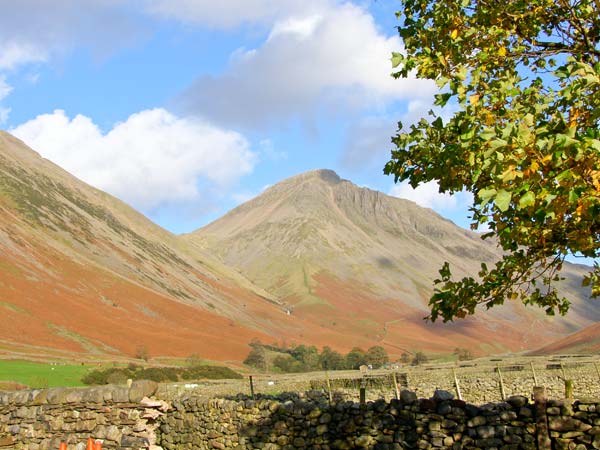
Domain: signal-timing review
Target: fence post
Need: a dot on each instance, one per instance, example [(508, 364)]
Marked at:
[(251, 387), (395, 380), (329, 388), (502, 392), (568, 389), (456, 385), (541, 419), (363, 392), (535, 381)]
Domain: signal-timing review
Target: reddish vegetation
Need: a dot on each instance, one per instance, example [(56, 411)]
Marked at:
[(584, 341), (68, 312), (360, 318)]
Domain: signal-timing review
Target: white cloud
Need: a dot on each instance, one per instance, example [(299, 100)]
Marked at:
[(33, 31), (268, 151), (429, 196), (335, 59), (227, 14), (13, 54), (5, 90), (367, 144), (151, 159)]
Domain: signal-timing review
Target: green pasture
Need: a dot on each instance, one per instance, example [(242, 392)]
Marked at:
[(41, 375)]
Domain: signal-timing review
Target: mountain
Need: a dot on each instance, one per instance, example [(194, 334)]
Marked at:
[(358, 266), (82, 273), (314, 259), (585, 341)]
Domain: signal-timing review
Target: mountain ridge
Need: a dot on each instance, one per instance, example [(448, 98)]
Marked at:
[(314, 259), (391, 248)]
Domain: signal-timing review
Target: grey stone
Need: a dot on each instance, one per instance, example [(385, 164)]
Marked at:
[(140, 389), (441, 395)]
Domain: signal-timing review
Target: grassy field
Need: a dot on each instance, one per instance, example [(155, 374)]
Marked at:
[(38, 375)]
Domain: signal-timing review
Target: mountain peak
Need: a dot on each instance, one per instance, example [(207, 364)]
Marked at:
[(327, 175)]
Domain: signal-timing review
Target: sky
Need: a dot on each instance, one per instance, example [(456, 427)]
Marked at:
[(186, 108)]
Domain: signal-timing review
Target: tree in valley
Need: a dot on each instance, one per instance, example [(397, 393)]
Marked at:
[(419, 358), (331, 360), (256, 358), (405, 358), (377, 356), (524, 81), (463, 354), (355, 358)]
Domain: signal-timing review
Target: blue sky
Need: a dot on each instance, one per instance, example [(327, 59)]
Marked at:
[(185, 108)]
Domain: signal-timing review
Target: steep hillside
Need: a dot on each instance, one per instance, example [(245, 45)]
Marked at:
[(586, 341), (82, 272), (314, 259), (360, 264)]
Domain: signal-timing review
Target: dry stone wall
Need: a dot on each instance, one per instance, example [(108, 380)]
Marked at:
[(123, 417), (129, 418)]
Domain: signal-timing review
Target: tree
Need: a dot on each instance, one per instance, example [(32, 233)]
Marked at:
[(405, 358), (256, 358), (355, 358), (141, 352), (524, 79), (331, 360), (377, 356), (463, 354), (419, 358)]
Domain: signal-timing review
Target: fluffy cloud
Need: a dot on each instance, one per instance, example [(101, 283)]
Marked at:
[(367, 144), (429, 196), (32, 31), (5, 90), (335, 59), (226, 14), (151, 159)]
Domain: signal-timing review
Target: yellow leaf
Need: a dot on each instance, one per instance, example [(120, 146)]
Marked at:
[(534, 166), (454, 34), (502, 51), (474, 99), (573, 118)]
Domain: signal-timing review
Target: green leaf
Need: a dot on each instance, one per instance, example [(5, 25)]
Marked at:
[(502, 200), (397, 59), (486, 194), (528, 199)]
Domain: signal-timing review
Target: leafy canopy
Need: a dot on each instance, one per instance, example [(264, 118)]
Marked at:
[(523, 77)]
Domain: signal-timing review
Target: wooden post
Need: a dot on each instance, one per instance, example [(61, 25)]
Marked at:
[(329, 388), (251, 387), (456, 385), (535, 381), (543, 436), (502, 391), (363, 395), (597, 370), (562, 369), (395, 380), (568, 389)]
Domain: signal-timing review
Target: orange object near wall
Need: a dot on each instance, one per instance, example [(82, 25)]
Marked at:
[(98, 445), (63, 446), (90, 444)]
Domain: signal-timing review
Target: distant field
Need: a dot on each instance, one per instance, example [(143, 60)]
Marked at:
[(37, 375)]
